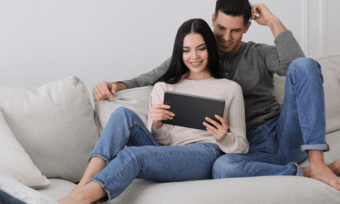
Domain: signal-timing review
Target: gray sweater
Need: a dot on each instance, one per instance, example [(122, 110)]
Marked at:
[(253, 68)]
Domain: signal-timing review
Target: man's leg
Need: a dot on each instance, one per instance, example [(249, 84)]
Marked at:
[(300, 128), (304, 97), (261, 160)]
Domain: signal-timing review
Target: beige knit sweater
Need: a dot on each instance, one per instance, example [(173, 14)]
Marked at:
[(234, 113)]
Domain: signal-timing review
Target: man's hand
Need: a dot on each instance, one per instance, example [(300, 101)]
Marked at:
[(158, 113), (261, 14), (105, 90), (220, 132)]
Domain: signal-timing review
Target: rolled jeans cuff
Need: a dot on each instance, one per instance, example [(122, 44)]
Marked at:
[(101, 183), (323, 147), (299, 171), (99, 155)]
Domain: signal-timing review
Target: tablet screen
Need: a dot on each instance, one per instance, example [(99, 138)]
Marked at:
[(190, 110)]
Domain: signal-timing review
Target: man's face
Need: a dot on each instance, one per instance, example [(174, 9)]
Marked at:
[(229, 31)]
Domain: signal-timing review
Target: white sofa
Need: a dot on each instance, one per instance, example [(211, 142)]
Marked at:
[(56, 126)]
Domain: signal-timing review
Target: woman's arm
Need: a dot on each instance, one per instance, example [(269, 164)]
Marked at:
[(234, 140), (160, 132)]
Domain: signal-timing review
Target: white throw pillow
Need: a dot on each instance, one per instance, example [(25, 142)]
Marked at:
[(15, 162), (55, 125), (136, 99), (22, 192)]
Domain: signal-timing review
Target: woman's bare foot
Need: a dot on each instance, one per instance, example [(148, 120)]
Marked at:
[(71, 199), (78, 187), (89, 193), (95, 166), (335, 167)]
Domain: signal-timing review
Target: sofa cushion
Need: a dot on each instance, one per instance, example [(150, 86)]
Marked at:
[(22, 192), (136, 99), (55, 125), (15, 162), (330, 67), (58, 189), (255, 190)]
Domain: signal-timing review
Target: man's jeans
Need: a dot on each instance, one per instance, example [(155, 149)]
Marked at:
[(144, 157), (279, 145)]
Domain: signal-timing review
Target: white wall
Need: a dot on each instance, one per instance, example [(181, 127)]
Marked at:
[(43, 41)]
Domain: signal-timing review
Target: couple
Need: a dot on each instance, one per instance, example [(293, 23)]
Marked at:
[(208, 64)]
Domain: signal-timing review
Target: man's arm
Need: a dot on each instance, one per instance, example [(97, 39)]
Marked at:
[(261, 14), (149, 77), (277, 58), (107, 90)]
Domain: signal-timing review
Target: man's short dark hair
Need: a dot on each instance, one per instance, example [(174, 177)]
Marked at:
[(234, 8)]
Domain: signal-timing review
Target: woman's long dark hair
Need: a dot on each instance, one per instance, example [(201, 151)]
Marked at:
[(177, 67)]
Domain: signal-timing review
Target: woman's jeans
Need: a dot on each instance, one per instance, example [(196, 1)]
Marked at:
[(279, 145), (6, 198), (144, 157)]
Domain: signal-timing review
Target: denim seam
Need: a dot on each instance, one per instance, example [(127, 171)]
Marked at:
[(260, 157), (284, 124), (120, 175), (285, 120), (121, 145), (147, 133), (266, 135), (303, 137), (198, 153), (101, 183)]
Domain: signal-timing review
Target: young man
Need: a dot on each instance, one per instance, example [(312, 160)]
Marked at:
[(279, 138)]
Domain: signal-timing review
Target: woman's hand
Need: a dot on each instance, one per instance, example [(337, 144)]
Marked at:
[(159, 112), (220, 132)]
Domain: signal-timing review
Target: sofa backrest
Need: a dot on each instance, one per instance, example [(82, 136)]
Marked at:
[(54, 124)]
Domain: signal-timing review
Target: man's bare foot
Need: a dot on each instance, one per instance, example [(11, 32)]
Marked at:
[(326, 175), (334, 167)]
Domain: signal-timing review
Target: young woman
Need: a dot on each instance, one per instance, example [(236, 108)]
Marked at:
[(161, 152)]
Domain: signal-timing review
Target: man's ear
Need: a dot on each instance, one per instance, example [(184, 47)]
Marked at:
[(213, 19), (246, 27)]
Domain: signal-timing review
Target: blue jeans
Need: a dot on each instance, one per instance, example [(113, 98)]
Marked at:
[(279, 145), (5, 198), (144, 157)]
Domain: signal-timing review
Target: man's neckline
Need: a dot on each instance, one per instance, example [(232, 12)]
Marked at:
[(239, 51)]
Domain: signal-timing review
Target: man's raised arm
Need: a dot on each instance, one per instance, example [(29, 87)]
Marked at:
[(107, 90), (277, 58)]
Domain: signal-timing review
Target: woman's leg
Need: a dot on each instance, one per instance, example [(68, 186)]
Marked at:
[(163, 164), (123, 128)]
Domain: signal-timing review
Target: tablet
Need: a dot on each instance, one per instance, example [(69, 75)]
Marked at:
[(190, 110)]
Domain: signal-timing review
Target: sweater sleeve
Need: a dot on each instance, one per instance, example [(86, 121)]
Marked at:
[(278, 58), (148, 78), (236, 140), (162, 135)]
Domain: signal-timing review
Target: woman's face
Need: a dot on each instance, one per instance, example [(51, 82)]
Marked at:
[(195, 54)]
